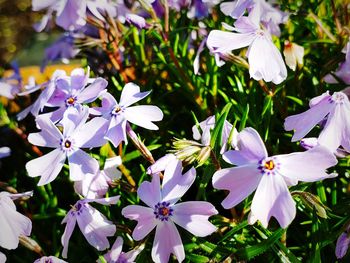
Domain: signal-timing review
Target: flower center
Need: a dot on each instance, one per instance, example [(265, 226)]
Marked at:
[(66, 144), (117, 110), (163, 211), (70, 101), (268, 166), (339, 97)]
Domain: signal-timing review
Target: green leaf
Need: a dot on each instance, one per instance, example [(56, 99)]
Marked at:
[(197, 258), (219, 126), (250, 252), (244, 118)]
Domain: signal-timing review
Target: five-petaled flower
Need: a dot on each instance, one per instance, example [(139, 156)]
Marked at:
[(163, 212), (77, 133), (118, 114), (270, 176)]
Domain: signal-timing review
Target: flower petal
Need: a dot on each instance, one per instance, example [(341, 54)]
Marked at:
[(149, 192), (49, 136), (240, 181), (272, 198), (70, 220), (146, 220), (342, 246), (131, 94), (47, 166), (2, 258), (13, 224), (144, 115), (224, 42), (308, 166), (193, 216), (251, 148), (167, 241), (303, 123), (116, 132), (175, 184), (95, 227), (91, 134), (93, 91), (81, 163), (116, 250)]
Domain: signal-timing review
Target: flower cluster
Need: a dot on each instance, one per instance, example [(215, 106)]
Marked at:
[(82, 121)]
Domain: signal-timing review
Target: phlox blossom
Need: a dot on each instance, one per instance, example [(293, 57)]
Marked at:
[(118, 114), (163, 212), (336, 131), (343, 243), (265, 60), (269, 176), (94, 225), (77, 133), (73, 91)]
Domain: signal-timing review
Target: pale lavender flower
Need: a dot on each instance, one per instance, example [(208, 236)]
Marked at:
[(94, 225), (76, 134), (207, 126), (336, 131), (163, 212), (62, 49), (343, 71), (5, 152), (269, 176), (12, 223), (269, 16), (265, 60), (73, 91), (309, 143), (293, 54), (201, 8), (96, 185), (343, 243), (50, 259), (118, 114), (161, 164), (116, 255)]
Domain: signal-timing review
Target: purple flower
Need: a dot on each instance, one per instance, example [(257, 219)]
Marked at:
[(163, 212), (94, 225), (265, 60), (269, 16), (336, 130), (73, 91), (343, 71), (62, 49), (76, 134), (343, 243), (269, 176), (96, 185), (12, 223), (115, 255), (207, 126), (50, 259), (118, 114)]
